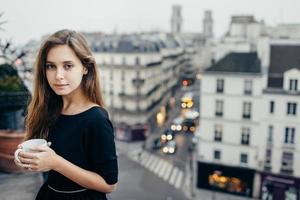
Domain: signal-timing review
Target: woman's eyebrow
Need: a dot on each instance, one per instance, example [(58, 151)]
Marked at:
[(67, 61)]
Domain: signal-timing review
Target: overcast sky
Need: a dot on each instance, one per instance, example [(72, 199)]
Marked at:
[(30, 19)]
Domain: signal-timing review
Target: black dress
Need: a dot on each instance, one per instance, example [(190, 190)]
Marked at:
[(87, 140)]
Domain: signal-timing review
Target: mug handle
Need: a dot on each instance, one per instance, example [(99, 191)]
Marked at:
[(17, 154)]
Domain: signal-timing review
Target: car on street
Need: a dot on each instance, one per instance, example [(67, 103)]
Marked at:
[(156, 144), (176, 124), (170, 147), (189, 125), (167, 136)]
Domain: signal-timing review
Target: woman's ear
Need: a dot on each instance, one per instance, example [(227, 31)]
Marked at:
[(85, 71)]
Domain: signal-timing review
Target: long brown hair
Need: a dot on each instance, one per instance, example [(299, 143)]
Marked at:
[(45, 106)]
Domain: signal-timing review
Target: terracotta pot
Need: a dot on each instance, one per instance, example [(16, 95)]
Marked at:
[(9, 141)]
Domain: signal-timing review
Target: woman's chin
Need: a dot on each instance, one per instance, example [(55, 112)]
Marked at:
[(62, 93)]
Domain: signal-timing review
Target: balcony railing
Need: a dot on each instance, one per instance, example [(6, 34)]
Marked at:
[(267, 167), (286, 170), (246, 116), (138, 82), (219, 114)]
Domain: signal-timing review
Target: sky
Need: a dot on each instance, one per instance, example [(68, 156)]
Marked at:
[(30, 19)]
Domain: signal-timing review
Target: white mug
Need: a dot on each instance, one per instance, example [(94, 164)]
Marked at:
[(27, 145)]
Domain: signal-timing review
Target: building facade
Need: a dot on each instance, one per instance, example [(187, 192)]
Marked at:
[(139, 75), (249, 123)]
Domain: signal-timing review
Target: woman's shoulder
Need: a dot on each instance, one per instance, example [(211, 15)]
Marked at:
[(99, 122), (98, 112)]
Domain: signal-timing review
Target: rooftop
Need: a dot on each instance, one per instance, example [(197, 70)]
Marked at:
[(237, 63), (282, 58)]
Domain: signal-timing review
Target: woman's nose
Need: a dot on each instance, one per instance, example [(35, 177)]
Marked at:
[(59, 74)]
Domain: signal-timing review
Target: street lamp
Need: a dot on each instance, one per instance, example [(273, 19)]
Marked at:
[(192, 149)]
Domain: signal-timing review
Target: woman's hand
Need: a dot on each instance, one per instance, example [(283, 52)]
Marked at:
[(41, 159)]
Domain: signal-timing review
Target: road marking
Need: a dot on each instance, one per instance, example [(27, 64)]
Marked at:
[(163, 169), (156, 170), (166, 177), (145, 158), (149, 161), (179, 179), (173, 176), (154, 163)]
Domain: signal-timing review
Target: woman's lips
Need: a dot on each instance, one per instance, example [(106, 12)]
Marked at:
[(61, 86)]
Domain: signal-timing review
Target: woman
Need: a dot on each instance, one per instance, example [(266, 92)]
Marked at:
[(67, 110)]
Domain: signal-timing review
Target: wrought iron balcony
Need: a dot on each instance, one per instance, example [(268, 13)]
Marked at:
[(138, 82)]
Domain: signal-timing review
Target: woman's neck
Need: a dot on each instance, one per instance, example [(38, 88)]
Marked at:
[(75, 103)]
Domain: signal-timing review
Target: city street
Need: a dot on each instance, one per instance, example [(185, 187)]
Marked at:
[(138, 182)]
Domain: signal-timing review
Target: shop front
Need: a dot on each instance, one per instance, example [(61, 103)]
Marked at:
[(137, 132), (233, 180), (279, 187)]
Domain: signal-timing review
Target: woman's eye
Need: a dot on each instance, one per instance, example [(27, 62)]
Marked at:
[(49, 66), (68, 66)]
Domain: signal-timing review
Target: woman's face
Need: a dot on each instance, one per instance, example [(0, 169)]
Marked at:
[(64, 70)]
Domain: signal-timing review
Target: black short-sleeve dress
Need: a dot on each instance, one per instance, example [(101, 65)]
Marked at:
[(87, 140)]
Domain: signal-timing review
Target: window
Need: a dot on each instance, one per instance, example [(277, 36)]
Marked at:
[(291, 108), (245, 139), (268, 160), (123, 75), (272, 107), (248, 87), (287, 163), (246, 110), (289, 137), (123, 61), (268, 156), (270, 134), (217, 154), (218, 133), (111, 91), (219, 108), (244, 158), (111, 75), (293, 85), (137, 61), (112, 60), (220, 85)]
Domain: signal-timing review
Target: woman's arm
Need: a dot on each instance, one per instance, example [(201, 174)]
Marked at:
[(85, 178), (45, 159)]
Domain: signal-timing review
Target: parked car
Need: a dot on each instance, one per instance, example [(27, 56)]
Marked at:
[(170, 147), (167, 136), (156, 144), (189, 125), (176, 124)]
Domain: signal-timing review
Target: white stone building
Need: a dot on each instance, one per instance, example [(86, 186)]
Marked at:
[(138, 76), (280, 168), (249, 122), (231, 96)]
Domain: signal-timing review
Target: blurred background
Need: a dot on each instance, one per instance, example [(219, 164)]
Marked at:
[(203, 95)]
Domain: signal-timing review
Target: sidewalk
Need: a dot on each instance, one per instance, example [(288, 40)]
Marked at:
[(19, 186)]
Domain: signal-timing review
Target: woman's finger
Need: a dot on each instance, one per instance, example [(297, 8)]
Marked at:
[(17, 162), (26, 166), (40, 148), (29, 155), (27, 161)]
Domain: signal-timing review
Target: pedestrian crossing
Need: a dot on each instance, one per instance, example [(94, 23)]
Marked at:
[(160, 167)]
